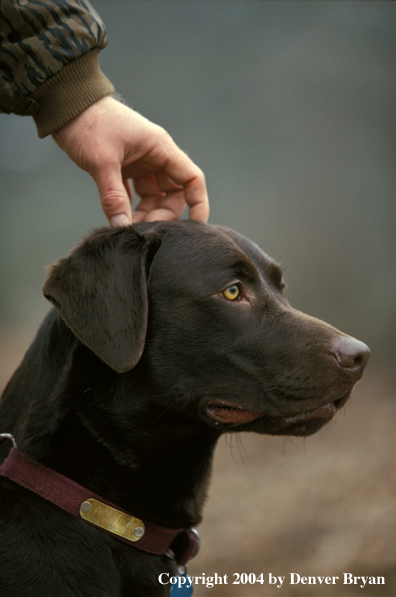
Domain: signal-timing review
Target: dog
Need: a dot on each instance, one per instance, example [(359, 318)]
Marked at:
[(162, 337)]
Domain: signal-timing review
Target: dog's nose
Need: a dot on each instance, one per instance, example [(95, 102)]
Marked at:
[(351, 353)]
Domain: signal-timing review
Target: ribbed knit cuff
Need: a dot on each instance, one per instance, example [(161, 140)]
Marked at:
[(68, 93)]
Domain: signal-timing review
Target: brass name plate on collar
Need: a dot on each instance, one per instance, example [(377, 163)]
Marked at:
[(112, 520)]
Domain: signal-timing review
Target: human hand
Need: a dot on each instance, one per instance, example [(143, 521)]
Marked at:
[(115, 144)]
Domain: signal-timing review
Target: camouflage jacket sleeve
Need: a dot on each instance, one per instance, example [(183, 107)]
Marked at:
[(49, 60)]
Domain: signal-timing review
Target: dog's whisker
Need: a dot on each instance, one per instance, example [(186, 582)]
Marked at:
[(241, 448)]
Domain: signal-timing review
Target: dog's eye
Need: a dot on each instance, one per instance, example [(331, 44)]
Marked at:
[(232, 292)]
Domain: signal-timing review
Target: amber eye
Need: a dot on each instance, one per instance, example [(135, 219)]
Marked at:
[(231, 293)]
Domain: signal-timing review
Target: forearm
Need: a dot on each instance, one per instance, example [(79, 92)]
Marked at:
[(50, 61)]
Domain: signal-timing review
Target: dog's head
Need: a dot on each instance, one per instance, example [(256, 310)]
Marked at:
[(199, 312)]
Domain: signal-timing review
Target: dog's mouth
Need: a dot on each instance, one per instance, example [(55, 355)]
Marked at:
[(229, 413), (325, 413), (226, 412)]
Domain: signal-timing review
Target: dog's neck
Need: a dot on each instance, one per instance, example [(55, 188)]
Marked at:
[(162, 476), (166, 485)]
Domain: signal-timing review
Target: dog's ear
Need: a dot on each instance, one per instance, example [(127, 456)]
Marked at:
[(100, 291)]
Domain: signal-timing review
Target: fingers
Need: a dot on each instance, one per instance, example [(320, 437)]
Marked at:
[(150, 194), (180, 170), (161, 199), (176, 175), (164, 198), (115, 194), (151, 209), (197, 198), (128, 188)]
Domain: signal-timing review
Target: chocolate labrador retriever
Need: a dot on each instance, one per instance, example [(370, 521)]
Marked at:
[(163, 337)]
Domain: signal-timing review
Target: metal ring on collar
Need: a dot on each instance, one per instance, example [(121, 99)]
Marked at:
[(10, 437), (194, 531)]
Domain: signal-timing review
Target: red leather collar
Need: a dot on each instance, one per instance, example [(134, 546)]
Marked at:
[(69, 496)]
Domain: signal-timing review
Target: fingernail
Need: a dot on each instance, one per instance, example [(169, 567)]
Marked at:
[(119, 221)]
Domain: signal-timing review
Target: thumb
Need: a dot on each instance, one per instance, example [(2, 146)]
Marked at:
[(115, 195)]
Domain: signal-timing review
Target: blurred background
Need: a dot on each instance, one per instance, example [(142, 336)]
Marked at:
[(289, 108)]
